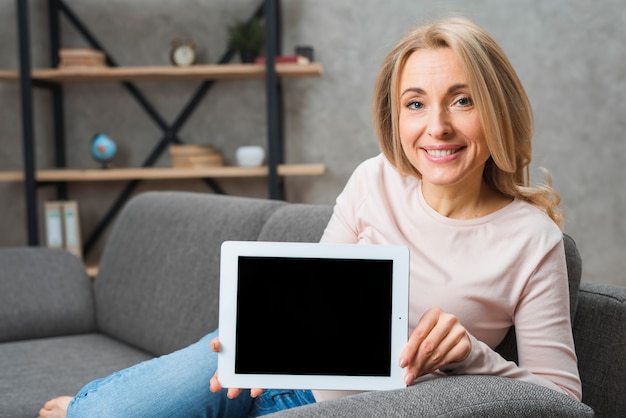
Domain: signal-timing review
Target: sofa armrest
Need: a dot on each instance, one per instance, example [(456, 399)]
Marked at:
[(600, 339), (43, 292), (454, 396)]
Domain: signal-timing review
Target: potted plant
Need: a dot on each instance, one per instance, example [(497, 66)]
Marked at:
[(247, 38)]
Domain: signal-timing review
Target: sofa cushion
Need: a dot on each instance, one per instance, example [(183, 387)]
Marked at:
[(34, 371), (455, 396), (44, 292), (158, 279), (297, 223)]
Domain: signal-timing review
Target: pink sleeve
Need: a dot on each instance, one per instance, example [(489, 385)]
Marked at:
[(342, 228), (543, 329)]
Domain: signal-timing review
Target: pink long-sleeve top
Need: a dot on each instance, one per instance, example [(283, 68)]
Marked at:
[(506, 268)]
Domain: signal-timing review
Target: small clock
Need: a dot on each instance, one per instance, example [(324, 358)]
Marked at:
[(183, 53)]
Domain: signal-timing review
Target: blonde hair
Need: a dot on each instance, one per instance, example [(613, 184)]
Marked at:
[(503, 106)]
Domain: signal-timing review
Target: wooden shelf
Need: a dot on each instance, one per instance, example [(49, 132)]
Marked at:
[(163, 73), (161, 173)]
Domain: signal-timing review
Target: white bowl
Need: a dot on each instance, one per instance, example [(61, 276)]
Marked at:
[(250, 156)]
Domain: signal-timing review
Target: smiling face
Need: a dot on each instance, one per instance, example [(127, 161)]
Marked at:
[(440, 129)]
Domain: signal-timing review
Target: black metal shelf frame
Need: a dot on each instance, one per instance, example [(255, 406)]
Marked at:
[(269, 10)]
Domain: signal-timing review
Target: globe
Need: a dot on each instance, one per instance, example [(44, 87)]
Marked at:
[(103, 149)]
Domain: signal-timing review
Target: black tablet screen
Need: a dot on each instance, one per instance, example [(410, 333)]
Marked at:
[(313, 316)]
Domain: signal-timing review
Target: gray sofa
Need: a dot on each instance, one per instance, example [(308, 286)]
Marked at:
[(156, 291)]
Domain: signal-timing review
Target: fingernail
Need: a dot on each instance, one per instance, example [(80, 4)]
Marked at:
[(409, 378), (403, 362)]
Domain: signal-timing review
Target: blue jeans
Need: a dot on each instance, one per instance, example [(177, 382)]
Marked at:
[(176, 385)]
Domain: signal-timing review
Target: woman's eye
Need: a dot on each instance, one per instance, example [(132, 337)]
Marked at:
[(414, 105), (465, 101)]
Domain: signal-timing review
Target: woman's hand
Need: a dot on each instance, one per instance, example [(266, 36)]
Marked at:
[(437, 340), (215, 384)]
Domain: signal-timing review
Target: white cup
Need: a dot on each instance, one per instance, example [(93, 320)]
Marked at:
[(250, 156)]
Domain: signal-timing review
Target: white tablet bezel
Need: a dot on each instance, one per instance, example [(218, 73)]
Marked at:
[(230, 252)]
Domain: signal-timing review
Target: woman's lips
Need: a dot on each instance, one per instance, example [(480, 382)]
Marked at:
[(442, 154)]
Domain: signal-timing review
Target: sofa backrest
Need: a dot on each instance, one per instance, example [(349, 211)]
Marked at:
[(44, 292), (158, 279), (296, 223)]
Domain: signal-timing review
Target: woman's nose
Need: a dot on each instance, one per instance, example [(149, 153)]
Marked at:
[(439, 123)]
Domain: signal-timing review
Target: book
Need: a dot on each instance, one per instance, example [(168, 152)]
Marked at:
[(285, 59), (62, 226), (54, 224), (195, 156), (72, 228), (81, 57)]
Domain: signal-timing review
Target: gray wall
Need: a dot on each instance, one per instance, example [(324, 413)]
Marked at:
[(569, 53)]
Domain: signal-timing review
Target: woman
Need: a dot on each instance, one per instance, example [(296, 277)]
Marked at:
[(455, 126)]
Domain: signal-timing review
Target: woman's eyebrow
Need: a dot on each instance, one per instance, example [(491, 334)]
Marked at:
[(413, 90), (419, 90), (456, 87)]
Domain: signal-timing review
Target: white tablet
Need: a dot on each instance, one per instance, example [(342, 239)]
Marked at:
[(312, 316)]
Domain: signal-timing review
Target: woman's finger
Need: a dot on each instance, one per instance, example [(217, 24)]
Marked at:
[(255, 392), (215, 345), (425, 325), (214, 385), (438, 340), (432, 349), (233, 393), (453, 348)]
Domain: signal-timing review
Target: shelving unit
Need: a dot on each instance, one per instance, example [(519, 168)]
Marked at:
[(53, 79)]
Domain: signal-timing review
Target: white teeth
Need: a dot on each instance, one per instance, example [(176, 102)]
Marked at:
[(440, 152)]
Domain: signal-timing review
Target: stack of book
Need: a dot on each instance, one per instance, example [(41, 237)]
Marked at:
[(285, 59), (81, 57), (195, 156)]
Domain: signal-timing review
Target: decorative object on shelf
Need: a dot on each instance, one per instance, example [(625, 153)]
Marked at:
[(71, 228), (103, 149), (195, 156), (284, 59), (54, 224), (305, 51), (183, 52), (247, 38), (250, 155), (81, 57), (63, 226)]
